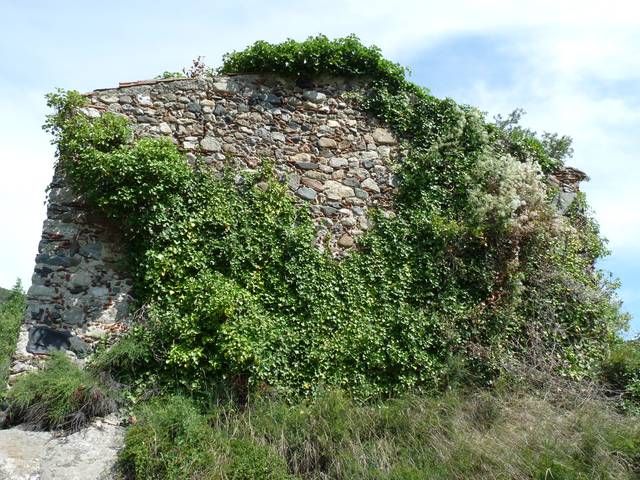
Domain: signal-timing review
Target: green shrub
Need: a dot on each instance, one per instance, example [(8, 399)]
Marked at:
[(59, 396), (342, 57), (166, 74), (622, 365), (11, 315), (621, 372), (251, 461), (171, 439), (126, 360)]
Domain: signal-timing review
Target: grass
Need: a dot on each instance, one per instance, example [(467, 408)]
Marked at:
[(621, 373), (173, 440), (59, 396), (459, 435), (12, 305)]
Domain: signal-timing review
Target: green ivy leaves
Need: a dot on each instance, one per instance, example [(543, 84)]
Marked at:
[(474, 261)]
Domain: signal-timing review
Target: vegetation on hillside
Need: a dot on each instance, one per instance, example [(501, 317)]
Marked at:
[(481, 435), (4, 294), (352, 368), (59, 396), (11, 315)]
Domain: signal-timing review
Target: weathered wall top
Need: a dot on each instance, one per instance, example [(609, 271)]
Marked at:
[(332, 155)]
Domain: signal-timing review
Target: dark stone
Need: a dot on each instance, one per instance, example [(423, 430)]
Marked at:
[(92, 250), (43, 272), (306, 193), (76, 289), (194, 107), (57, 260), (146, 119), (274, 99), (263, 98), (351, 182), (330, 211), (306, 165), (73, 317), (74, 247), (79, 347), (47, 315), (304, 82), (44, 340)]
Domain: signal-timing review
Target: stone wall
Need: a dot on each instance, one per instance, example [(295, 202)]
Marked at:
[(334, 158)]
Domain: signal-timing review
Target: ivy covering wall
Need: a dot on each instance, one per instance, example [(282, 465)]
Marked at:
[(476, 266)]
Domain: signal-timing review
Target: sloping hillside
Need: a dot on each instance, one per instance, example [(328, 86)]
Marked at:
[(4, 294)]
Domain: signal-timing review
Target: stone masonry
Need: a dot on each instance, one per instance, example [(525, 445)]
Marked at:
[(334, 158)]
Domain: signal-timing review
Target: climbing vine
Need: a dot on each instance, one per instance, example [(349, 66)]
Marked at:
[(475, 261)]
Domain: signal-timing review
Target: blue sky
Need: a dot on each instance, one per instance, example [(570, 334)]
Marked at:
[(573, 66)]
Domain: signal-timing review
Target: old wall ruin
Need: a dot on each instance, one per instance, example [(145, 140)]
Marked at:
[(334, 157)]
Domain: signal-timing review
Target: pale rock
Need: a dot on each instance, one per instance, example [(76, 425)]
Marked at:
[(337, 162), (90, 112), (371, 185), (336, 190), (301, 157), (369, 155), (382, 136), (278, 137), (99, 292), (210, 144), (313, 183), (41, 291), (313, 96), (346, 241), (89, 454), (293, 181), (144, 100), (325, 142), (80, 279), (108, 98)]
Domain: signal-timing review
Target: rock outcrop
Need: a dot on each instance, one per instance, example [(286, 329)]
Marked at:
[(89, 454)]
